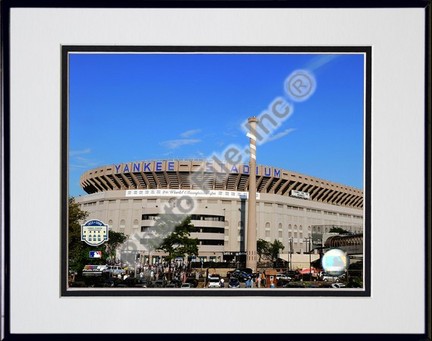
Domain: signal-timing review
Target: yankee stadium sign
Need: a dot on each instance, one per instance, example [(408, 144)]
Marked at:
[(211, 167)]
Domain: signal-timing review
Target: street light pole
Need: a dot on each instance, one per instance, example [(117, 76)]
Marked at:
[(290, 241), (308, 241), (251, 251)]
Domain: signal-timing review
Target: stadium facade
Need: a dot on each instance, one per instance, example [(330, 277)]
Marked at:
[(290, 207)]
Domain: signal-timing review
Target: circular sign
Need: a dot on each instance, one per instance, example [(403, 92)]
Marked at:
[(94, 232), (335, 262)]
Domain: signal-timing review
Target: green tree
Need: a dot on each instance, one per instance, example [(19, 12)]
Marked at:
[(178, 243), (262, 248), (269, 251), (78, 251), (75, 245), (114, 241), (339, 230), (274, 250)]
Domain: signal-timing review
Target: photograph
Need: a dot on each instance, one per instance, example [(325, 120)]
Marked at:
[(215, 167), (225, 171)]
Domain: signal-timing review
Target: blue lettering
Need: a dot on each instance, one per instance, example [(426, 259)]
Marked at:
[(171, 165), (146, 167), (126, 169), (267, 173), (158, 166), (136, 167), (276, 173), (245, 169), (117, 168), (234, 169)]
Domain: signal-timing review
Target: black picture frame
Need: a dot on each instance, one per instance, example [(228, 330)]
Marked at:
[(6, 8), (365, 50)]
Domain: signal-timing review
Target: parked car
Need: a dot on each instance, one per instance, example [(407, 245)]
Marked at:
[(283, 277), (186, 285), (240, 275), (326, 277), (249, 271), (233, 283), (338, 285), (214, 281), (115, 270)]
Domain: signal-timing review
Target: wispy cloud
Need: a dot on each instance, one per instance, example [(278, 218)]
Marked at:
[(173, 144), (78, 161), (183, 141), (230, 133), (279, 135), (320, 61), (190, 133), (197, 155), (80, 152)]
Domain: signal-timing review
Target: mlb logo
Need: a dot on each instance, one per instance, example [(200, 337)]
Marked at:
[(94, 232), (95, 254)]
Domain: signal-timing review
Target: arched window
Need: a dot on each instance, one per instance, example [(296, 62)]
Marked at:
[(267, 229), (122, 224)]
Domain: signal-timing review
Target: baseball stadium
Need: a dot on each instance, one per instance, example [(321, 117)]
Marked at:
[(296, 209)]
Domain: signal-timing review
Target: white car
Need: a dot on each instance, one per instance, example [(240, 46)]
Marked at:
[(214, 284), (214, 281), (329, 278), (115, 270), (283, 277)]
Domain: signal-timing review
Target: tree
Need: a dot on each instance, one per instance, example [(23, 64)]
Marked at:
[(76, 246), (274, 249), (178, 243), (269, 251), (262, 248), (114, 241), (78, 250), (339, 230)]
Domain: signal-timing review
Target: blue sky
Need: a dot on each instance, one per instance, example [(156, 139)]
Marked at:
[(133, 107)]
